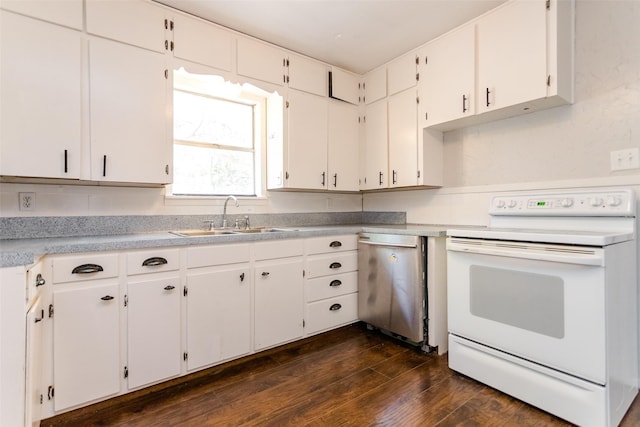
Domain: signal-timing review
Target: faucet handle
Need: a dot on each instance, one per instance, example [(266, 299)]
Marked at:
[(210, 222), (246, 222)]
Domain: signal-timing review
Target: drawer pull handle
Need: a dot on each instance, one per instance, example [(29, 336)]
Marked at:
[(335, 283), (169, 288), (265, 273), (40, 280), (335, 265), (154, 261), (106, 298), (87, 269), (242, 277), (335, 307), (335, 244)]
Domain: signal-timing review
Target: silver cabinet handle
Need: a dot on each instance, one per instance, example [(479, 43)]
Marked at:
[(335, 307), (106, 298), (335, 283), (154, 261), (169, 288), (40, 280), (87, 269)]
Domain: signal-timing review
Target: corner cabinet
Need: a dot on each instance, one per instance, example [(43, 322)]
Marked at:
[(41, 98), (343, 146)]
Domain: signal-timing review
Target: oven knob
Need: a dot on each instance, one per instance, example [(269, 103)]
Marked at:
[(512, 204), (613, 201), (500, 204), (566, 203), (596, 201)]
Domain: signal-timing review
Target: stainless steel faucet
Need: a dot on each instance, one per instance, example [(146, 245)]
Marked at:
[(224, 210)]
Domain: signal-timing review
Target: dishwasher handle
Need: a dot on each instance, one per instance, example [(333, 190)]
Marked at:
[(388, 245)]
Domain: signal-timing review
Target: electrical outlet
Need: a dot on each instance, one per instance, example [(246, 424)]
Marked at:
[(625, 159), (27, 201)]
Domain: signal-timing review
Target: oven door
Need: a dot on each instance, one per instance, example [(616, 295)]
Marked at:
[(544, 303)]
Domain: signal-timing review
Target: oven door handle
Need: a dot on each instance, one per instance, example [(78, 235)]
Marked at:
[(581, 255)]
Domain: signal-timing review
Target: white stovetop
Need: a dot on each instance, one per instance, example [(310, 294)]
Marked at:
[(569, 237)]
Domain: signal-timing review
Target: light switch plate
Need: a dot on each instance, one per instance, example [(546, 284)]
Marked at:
[(625, 159), (27, 201)]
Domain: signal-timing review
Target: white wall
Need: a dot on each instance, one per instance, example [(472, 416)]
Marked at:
[(566, 146)]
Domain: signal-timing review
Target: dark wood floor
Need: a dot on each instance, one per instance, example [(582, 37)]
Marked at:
[(347, 377)]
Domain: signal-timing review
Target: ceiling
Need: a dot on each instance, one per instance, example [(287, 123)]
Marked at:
[(357, 35)]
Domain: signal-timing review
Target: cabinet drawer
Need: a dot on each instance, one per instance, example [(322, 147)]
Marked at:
[(84, 267), (329, 244), (278, 249), (324, 265), (152, 261), (331, 313), (217, 255), (331, 286)]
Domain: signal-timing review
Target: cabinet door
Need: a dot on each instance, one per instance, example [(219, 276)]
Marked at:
[(343, 147), (375, 85), (153, 326), (136, 22), (34, 352), (279, 302), (218, 316), (62, 12), (202, 42), (403, 137), (129, 111), (307, 75), (450, 59), (40, 98), (375, 146), (307, 141), (402, 73), (86, 343), (512, 55), (344, 86), (261, 61)]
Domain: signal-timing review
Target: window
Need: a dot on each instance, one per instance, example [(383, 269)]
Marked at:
[(217, 137)]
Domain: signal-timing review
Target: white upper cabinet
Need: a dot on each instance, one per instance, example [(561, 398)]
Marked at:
[(135, 22), (306, 144), (307, 75), (343, 146), (63, 12), (199, 41), (41, 98), (512, 55), (375, 85), (344, 86), (449, 59), (375, 147), (261, 61), (402, 73), (403, 139), (129, 114)]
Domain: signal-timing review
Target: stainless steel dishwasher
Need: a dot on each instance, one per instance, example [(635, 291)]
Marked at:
[(392, 287)]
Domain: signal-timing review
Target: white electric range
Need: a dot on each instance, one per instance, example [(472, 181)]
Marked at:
[(543, 304)]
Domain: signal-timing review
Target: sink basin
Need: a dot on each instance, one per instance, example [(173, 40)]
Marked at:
[(200, 233)]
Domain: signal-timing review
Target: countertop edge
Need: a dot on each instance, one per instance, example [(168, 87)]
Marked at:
[(24, 252)]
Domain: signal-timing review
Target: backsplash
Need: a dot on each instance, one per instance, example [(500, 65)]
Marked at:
[(68, 226)]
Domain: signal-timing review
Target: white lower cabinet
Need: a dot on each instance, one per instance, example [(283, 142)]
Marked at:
[(278, 292), (153, 329), (86, 343), (331, 283), (218, 315)]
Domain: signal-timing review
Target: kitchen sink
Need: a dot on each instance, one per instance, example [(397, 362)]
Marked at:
[(200, 233), (221, 231)]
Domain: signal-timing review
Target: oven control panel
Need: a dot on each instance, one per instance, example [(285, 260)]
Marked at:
[(578, 203)]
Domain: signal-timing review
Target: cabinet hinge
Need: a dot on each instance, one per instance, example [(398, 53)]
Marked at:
[(185, 356), (418, 174), (50, 310), (171, 25), (126, 300), (286, 175), (41, 399), (51, 392), (417, 60), (303, 273), (363, 86), (549, 80), (166, 169), (126, 372), (417, 100), (304, 324), (166, 74), (286, 104), (166, 24), (426, 59), (548, 4), (417, 77), (185, 291)]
